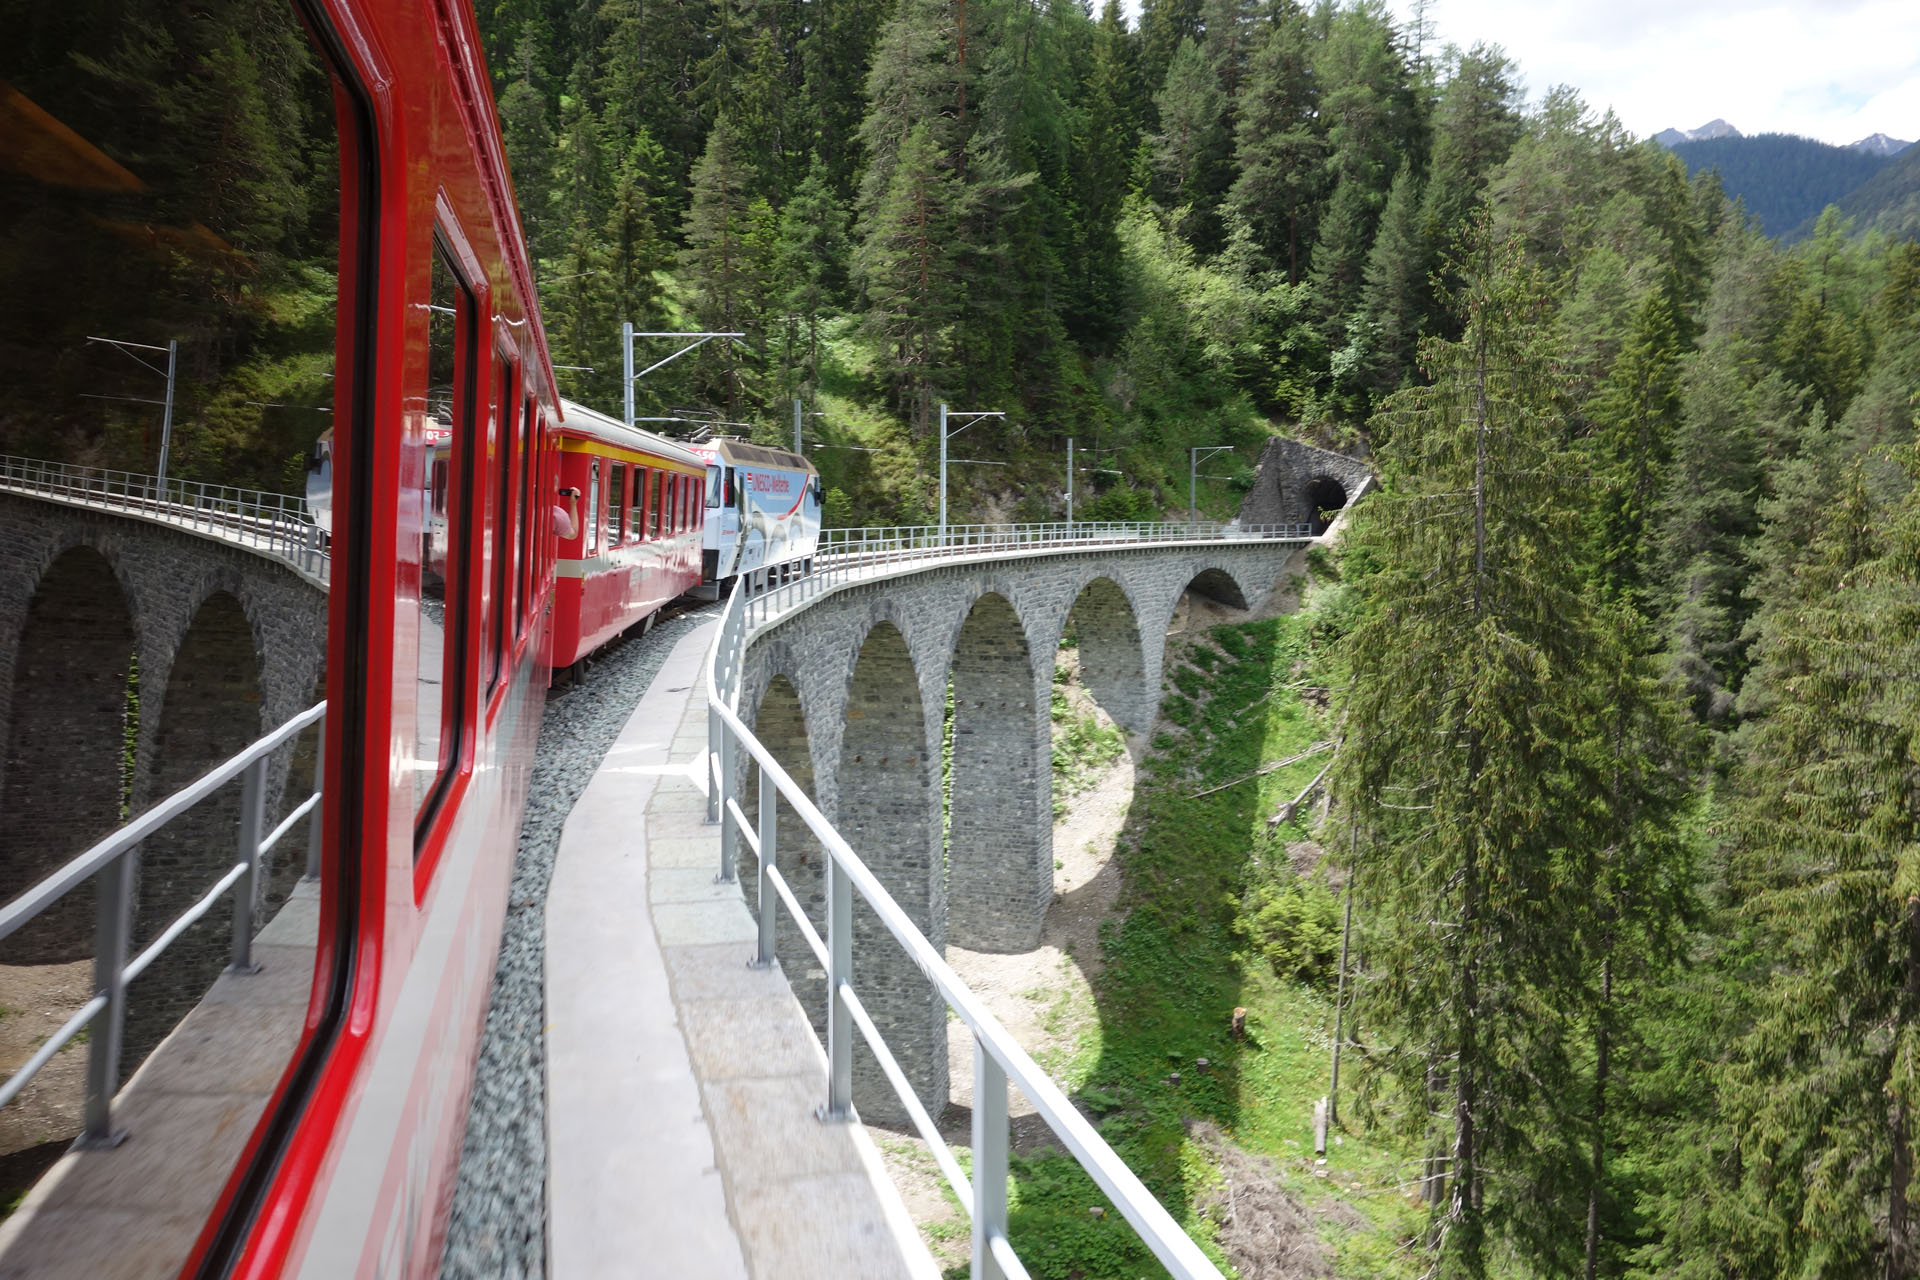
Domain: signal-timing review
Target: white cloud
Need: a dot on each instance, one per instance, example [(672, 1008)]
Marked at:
[(1836, 70), (1830, 69)]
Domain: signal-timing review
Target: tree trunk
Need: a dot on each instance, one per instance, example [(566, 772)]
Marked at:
[(1903, 1251), (1600, 1049)]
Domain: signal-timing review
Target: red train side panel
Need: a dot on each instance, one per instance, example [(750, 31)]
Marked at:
[(638, 544)]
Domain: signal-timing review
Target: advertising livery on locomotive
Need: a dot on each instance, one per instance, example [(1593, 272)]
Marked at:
[(763, 509)]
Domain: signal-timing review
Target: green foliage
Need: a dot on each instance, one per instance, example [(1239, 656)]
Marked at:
[(1295, 927)]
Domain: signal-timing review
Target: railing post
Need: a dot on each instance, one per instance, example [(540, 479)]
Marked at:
[(728, 789), (319, 783), (840, 1028), (714, 738), (769, 853), (989, 1161), (253, 812), (112, 922)]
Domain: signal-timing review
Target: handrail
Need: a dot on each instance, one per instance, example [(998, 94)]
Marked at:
[(275, 524), (111, 859), (998, 1058)]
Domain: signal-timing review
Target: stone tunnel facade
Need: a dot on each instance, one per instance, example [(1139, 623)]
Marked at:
[(134, 656), (851, 695), (1296, 483)]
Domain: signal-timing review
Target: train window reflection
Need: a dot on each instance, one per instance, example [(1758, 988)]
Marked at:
[(170, 235), (442, 447)]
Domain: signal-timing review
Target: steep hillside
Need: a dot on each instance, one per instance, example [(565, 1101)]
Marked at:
[(1784, 180), (1889, 201)]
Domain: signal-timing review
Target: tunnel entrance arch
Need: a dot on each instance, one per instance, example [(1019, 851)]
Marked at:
[(1326, 498), (72, 716)]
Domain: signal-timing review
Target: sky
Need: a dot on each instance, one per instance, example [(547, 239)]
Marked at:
[(1836, 70)]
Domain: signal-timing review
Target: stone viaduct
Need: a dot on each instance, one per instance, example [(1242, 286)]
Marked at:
[(133, 657), (850, 694)]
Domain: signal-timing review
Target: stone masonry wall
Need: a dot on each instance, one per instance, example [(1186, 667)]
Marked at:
[(1290, 484), (859, 658)]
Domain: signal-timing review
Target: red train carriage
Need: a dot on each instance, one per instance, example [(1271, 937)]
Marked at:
[(638, 541), (437, 656), (443, 458)]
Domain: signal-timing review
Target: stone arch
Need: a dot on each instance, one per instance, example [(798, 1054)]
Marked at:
[(779, 721), (1000, 817), (70, 707), (1326, 498), (1113, 659), (209, 711), (889, 812), (1219, 586)]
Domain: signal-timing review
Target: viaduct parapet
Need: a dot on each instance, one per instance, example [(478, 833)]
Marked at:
[(850, 695)]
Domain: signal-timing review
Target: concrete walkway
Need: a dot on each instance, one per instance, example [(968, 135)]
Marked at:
[(681, 1084)]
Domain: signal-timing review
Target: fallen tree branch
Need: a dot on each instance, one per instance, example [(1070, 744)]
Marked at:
[(1284, 814), (1266, 769)]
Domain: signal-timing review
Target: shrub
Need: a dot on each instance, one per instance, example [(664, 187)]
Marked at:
[(1296, 927)]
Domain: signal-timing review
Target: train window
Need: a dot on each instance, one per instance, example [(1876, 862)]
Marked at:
[(171, 231), (713, 486), (637, 504), (680, 504), (590, 512), (653, 504), (522, 520), (616, 502), (500, 457), (443, 447)]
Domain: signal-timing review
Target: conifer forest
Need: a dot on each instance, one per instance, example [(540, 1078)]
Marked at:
[(1622, 654)]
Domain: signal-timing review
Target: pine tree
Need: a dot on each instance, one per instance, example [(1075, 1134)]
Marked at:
[(1278, 149), (811, 263), (1635, 416), (1825, 1089), (728, 262), (1394, 295), (1481, 752), (1189, 153), (905, 264)]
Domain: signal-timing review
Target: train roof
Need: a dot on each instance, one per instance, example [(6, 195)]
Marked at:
[(734, 452), (577, 419)]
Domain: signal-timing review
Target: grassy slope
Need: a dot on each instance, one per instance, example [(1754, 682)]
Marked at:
[(1176, 968)]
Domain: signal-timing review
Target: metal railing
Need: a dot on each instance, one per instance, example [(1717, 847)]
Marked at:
[(274, 524), (846, 555), (112, 859), (998, 1059)]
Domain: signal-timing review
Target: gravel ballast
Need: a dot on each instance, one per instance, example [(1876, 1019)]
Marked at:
[(498, 1228)]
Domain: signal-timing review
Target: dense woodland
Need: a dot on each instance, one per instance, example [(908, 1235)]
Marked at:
[(1784, 180), (1625, 649), (1631, 632)]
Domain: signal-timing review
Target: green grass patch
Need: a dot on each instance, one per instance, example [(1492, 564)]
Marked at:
[(1212, 916)]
